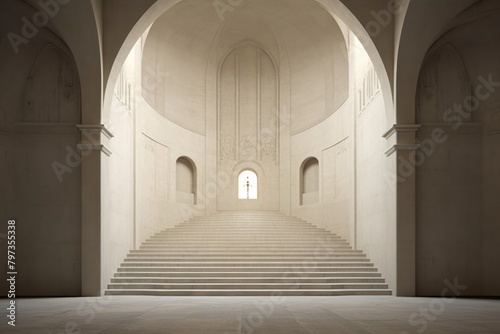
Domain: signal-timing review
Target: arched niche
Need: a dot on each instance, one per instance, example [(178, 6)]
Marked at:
[(248, 105), (309, 181), (186, 180), (52, 91), (443, 84)]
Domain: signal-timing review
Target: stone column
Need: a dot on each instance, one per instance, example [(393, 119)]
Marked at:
[(402, 154), (95, 155)]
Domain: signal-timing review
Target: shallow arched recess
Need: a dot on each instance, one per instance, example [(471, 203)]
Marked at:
[(52, 98), (309, 181), (443, 84), (186, 180)]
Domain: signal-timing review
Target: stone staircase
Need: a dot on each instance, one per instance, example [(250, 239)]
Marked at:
[(246, 254)]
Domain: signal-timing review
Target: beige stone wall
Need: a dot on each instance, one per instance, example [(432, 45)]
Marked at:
[(458, 183), (331, 143), (159, 144), (118, 175), (40, 164), (374, 222)]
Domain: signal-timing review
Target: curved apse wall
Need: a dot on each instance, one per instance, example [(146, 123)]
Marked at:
[(308, 44), (247, 84)]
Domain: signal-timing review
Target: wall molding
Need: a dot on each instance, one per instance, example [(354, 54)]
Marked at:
[(39, 128), (94, 138), (96, 128), (398, 128), (401, 137), (93, 147), (493, 133), (466, 128), (401, 148)]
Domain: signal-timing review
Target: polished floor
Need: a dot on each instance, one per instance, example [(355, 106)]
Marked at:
[(248, 315)]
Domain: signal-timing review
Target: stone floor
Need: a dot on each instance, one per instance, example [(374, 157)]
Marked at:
[(248, 315)]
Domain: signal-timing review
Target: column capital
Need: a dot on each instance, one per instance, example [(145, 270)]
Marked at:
[(399, 128), (95, 137), (399, 148), (401, 137), (96, 128), (83, 148)]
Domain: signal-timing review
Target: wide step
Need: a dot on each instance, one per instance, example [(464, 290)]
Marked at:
[(249, 292)]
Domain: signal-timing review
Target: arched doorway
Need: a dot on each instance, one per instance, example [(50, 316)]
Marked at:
[(247, 185)]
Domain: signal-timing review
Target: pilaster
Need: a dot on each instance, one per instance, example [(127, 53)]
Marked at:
[(95, 153), (402, 147)]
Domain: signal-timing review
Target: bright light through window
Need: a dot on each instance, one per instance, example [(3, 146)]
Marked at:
[(247, 185)]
